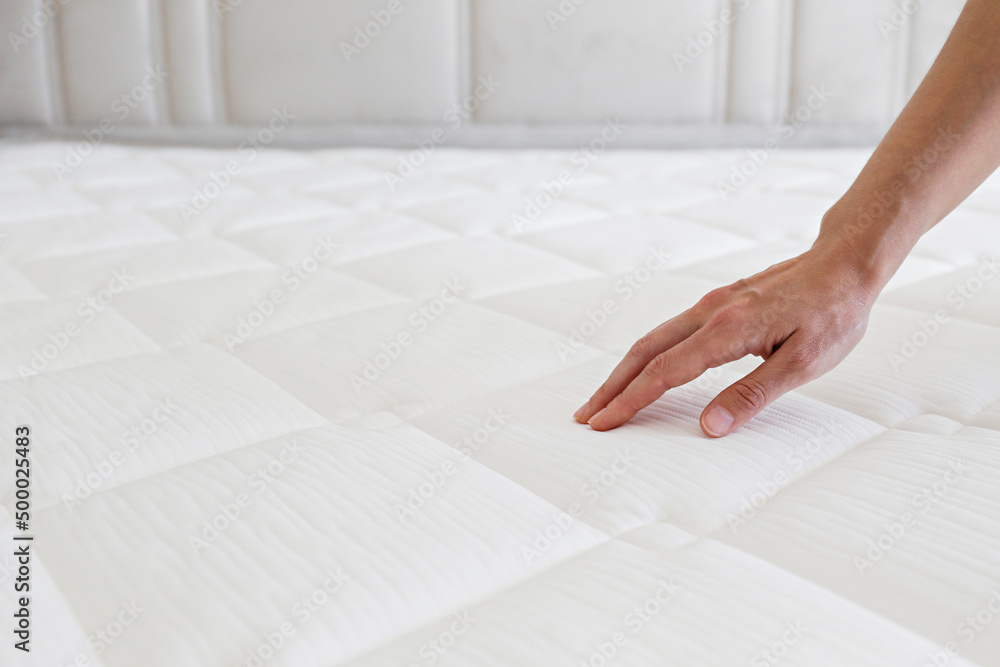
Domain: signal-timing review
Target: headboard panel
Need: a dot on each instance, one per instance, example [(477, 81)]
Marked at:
[(175, 68)]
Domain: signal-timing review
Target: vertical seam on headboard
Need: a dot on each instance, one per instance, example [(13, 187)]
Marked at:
[(162, 99), (723, 68), (55, 78), (214, 31), (784, 79), (465, 68)]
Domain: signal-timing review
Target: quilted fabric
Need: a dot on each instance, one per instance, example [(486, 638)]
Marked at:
[(301, 418)]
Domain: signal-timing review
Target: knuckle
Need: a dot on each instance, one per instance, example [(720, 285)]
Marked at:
[(732, 313), (740, 285), (641, 348), (715, 298), (729, 350), (656, 368), (749, 395)]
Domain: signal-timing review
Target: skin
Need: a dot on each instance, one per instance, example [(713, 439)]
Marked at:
[(803, 316)]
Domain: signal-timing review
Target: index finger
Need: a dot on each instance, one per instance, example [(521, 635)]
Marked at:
[(644, 350), (706, 348)]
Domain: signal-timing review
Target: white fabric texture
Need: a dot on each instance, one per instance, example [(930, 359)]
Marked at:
[(380, 385), (185, 64)]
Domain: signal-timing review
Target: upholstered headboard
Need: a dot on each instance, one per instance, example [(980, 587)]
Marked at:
[(500, 72)]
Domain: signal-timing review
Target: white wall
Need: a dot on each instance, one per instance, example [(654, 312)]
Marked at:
[(562, 67)]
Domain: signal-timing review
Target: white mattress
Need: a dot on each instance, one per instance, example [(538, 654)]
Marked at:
[(474, 412)]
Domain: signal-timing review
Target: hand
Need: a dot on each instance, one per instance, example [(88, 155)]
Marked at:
[(802, 317)]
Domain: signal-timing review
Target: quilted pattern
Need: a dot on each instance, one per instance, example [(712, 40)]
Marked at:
[(320, 423)]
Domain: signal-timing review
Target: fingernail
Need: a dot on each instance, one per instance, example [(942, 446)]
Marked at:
[(717, 421), (578, 415), (596, 417)]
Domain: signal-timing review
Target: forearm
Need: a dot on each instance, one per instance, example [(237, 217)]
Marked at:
[(944, 144)]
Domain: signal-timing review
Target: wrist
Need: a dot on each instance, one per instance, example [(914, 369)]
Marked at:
[(866, 248)]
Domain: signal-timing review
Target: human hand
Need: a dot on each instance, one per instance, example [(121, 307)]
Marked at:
[(802, 316)]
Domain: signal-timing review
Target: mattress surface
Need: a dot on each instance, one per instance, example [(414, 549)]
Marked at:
[(288, 411)]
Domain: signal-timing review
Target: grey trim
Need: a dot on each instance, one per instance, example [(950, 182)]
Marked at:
[(477, 136)]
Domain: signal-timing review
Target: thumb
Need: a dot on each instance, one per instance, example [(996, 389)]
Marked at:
[(742, 400)]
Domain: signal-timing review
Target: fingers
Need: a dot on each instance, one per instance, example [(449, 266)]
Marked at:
[(706, 348), (785, 370), (663, 337)]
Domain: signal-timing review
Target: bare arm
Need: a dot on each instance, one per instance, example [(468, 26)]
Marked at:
[(805, 315), (944, 144)]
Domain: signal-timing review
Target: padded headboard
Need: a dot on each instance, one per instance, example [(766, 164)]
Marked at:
[(484, 71)]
